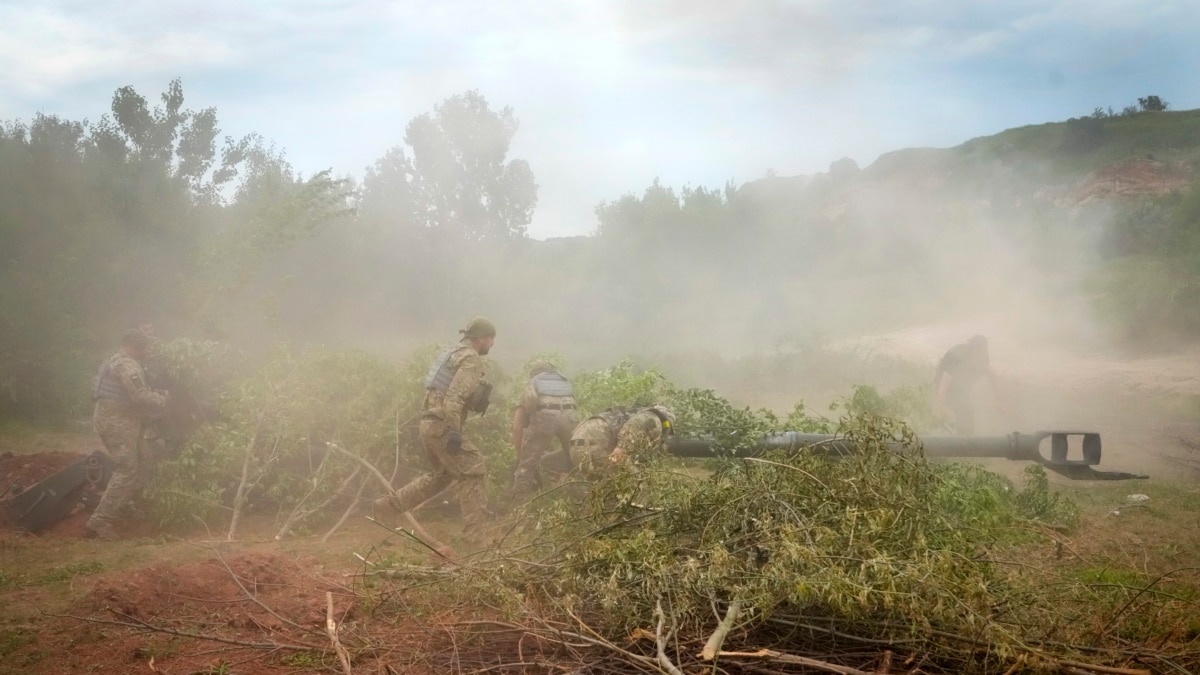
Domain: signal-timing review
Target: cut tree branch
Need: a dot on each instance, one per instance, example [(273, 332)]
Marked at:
[(331, 628), (718, 637)]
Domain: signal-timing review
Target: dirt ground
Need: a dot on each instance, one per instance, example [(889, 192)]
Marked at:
[(79, 605)]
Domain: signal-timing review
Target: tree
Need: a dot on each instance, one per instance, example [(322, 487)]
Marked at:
[(459, 178), (1153, 104), (109, 223)]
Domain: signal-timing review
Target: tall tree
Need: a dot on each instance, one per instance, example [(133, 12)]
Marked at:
[(460, 179)]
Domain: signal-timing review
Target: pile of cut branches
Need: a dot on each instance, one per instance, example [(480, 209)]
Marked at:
[(881, 563)]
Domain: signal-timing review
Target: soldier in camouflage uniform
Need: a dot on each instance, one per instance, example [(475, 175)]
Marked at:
[(124, 404), (546, 412), (454, 386), (613, 435), (959, 370)]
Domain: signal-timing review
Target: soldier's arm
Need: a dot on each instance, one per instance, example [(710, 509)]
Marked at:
[(518, 426), (529, 400), (526, 408), (466, 380), (135, 387)]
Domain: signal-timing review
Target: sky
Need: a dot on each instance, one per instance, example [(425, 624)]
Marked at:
[(610, 95)]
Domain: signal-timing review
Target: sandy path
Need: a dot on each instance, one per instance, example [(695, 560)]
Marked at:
[(1142, 405)]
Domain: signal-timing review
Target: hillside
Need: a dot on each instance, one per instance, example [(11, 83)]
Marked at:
[(1065, 163)]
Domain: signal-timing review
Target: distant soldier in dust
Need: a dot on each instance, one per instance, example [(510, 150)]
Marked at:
[(124, 406), (614, 435), (545, 413), (454, 387), (960, 369)]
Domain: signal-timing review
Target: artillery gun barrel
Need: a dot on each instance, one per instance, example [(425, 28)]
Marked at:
[(1051, 449)]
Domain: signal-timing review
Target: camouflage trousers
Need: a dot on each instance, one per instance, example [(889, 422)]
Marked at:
[(591, 445), (537, 461), (463, 466), (131, 458)]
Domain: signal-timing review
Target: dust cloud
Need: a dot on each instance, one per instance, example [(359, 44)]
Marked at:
[(770, 291)]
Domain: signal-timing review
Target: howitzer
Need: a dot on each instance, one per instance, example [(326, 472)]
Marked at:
[(42, 505), (1051, 449)]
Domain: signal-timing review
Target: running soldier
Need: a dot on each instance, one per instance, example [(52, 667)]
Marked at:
[(454, 387)]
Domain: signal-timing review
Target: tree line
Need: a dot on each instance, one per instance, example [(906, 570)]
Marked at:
[(151, 214)]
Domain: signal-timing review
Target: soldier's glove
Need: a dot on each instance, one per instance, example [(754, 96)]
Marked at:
[(454, 439)]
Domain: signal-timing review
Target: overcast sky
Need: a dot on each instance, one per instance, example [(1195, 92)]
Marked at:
[(610, 94)]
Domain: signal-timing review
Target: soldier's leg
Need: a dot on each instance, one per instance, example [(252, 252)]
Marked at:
[(534, 446), (466, 466), (121, 443), (564, 430), (427, 486), (591, 445), (556, 463), (147, 461)]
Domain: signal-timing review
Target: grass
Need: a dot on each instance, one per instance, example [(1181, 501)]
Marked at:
[(13, 638), (1171, 135), (55, 574)]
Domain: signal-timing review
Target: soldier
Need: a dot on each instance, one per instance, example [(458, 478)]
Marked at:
[(959, 370), (545, 412), (454, 386), (613, 435), (124, 404)]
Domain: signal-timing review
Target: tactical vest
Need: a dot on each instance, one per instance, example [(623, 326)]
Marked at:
[(441, 373), (552, 384), (108, 385), (616, 418)]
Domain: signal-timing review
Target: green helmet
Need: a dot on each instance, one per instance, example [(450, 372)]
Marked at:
[(479, 328), (135, 339), (664, 414)]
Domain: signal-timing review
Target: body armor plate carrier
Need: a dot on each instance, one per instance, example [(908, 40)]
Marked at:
[(440, 373), (552, 384), (107, 384)]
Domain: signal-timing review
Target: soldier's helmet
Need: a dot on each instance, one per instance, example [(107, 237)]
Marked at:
[(667, 417), (539, 367), (134, 338), (479, 328)]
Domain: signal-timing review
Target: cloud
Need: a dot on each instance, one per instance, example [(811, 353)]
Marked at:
[(824, 42), (45, 50)]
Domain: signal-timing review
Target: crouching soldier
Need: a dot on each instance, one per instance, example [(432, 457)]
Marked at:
[(546, 413), (614, 435)]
